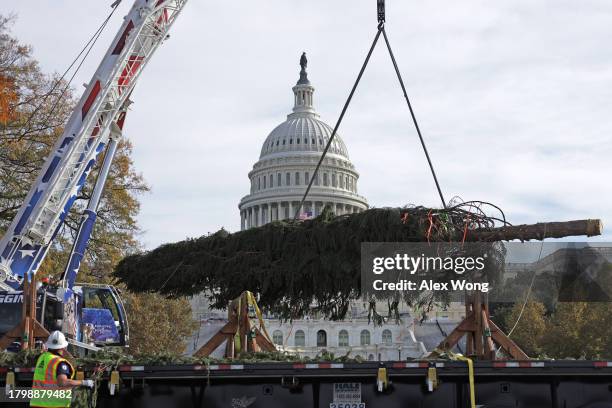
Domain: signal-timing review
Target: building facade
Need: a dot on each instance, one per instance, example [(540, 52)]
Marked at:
[(286, 164), (355, 336), (278, 180)]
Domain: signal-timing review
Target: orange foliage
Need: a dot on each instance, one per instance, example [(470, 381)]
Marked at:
[(8, 98)]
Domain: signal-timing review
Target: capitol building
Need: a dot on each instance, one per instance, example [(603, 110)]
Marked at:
[(278, 180), (287, 161)]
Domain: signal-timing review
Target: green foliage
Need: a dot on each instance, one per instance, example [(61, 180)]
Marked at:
[(158, 324), (580, 330), (532, 327), (113, 358), (292, 265), (575, 330)]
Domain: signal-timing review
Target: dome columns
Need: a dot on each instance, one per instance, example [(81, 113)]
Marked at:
[(259, 214)]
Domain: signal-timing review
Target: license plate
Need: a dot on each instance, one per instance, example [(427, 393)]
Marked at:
[(347, 405)]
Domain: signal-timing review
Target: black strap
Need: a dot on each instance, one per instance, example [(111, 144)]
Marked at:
[(416, 125), (381, 29), (346, 105)]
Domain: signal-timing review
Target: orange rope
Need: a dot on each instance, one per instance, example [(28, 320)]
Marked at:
[(430, 218), (465, 230)]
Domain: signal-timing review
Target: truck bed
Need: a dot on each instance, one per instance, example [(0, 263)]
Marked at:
[(507, 384)]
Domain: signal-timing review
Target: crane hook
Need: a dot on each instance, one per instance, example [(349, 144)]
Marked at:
[(381, 11)]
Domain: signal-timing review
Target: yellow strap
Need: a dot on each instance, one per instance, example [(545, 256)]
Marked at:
[(461, 357), (237, 343), (252, 302), (114, 377), (10, 379), (471, 374), (382, 379)]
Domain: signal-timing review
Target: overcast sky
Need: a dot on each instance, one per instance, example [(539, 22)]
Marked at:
[(514, 98)]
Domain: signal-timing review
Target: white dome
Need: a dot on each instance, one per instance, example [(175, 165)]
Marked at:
[(286, 165), (302, 133)]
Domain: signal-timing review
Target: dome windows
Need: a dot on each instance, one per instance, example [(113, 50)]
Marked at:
[(306, 131), (297, 178), (287, 179)]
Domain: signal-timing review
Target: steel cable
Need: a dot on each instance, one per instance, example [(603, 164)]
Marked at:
[(346, 105)]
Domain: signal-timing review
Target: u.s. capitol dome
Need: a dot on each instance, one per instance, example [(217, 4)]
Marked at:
[(288, 158)]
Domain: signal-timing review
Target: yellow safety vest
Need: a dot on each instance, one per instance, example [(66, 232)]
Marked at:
[(45, 391)]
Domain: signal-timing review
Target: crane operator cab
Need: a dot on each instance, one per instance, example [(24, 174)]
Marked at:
[(103, 320), (89, 314)]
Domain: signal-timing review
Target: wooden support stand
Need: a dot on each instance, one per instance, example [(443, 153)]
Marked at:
[(249, 338), (482, 335), (29, 330)]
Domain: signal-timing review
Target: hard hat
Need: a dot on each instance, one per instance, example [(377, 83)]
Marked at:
[(56, 341)]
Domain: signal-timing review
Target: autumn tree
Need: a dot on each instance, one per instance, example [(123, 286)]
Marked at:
[(161, 331), (529, 324), (34, 107), (580, 330)]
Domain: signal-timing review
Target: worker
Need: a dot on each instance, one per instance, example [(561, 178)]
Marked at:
[(53, 376)]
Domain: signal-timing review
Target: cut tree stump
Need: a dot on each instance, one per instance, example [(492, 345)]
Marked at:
[(538, 231)]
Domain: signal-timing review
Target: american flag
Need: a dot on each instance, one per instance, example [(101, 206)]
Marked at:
[(306, 215)]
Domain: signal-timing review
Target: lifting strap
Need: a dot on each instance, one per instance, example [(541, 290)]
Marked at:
[(381, 30), (470, 363)]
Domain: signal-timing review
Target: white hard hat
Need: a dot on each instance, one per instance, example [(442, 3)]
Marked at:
[(56, 341)]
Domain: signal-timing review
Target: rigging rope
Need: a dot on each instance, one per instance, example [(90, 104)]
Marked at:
[(414, 120), (346, 105), (381, 29)]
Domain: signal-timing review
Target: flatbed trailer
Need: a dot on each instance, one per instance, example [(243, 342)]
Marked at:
[(498, 384)]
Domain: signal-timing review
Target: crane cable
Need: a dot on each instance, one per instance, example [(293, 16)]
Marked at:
[(414, 120), (381, 29), (346, 105)]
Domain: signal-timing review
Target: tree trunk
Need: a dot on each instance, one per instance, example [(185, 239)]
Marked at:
[(538, 231)]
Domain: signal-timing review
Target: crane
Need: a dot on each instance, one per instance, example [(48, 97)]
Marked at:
[(93, 130)]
